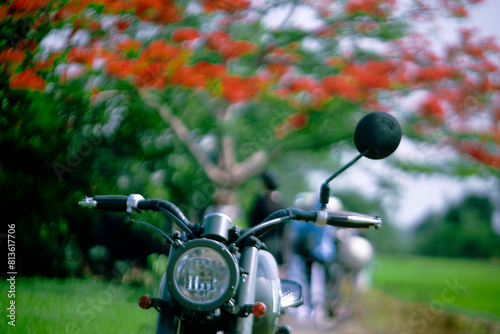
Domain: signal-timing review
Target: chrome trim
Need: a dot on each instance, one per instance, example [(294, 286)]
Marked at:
[(133, 201), (321, 218), (88, 202), (364, 220)]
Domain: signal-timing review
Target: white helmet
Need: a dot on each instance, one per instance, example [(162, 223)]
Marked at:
[(355, 252)]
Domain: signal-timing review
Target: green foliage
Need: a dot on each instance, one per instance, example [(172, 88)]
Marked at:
[(35, 141), (156, 269), (465, 230)]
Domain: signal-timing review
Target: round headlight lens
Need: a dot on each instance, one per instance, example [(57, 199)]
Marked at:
[(203, 275)]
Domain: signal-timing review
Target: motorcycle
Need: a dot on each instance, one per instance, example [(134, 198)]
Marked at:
[(219, 278)]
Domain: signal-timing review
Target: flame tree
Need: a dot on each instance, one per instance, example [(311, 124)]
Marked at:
[(238, 82)]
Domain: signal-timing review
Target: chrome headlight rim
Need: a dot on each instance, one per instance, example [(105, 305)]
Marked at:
[(229, 260)]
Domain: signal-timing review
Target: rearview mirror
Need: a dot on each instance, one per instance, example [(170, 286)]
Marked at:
[(377, 135)]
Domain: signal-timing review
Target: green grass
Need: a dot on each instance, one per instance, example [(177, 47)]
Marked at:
[(467, 286), (77, 306)]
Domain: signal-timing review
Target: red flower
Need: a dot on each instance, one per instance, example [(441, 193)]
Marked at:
[(129, 45), (480, 152), (381, 8), (159, 51), (81, 55), (188, 76), (238, 89), (211, 70), (221, 42), (152, 75), (45, 65), (372, 74), (185, 34), (27, 80), (229, 6), (341, 86), (278, 69), (26, 7), (236, 49), (216, 39), (12, 56), (434, 73), (71, 9), (169, 14), (121, 68), (315, 89), (459, 11), (305, 84), (160, 11), (298, 120), (122, 24), (432, 108), (198, 75)]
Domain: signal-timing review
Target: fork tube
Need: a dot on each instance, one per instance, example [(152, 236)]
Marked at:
[(246, 293)]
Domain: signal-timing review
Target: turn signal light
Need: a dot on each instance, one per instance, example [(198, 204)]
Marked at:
[(259, 309), (145, 301)]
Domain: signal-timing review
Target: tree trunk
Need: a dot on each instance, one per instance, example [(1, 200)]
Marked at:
[(227, 175)]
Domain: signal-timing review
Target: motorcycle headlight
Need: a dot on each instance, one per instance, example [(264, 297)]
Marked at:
[(202, 275)]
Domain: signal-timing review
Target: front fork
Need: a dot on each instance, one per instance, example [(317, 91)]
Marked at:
[(166, 323), (249, 262), (260, 283)]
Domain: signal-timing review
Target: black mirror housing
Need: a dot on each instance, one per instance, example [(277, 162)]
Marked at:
[(377, 135)]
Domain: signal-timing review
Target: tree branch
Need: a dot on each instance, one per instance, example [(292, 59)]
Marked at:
[(227, 154), (229, 175), (250, 167), (216, 174)]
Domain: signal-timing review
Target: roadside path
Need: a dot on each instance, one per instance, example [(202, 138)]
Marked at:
[(347, 327)]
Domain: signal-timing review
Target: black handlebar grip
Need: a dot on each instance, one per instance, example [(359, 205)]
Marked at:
[(111, 202), (148, 205), (305, 215)]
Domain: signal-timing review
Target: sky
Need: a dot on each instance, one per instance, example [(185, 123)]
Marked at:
[(485, 16)]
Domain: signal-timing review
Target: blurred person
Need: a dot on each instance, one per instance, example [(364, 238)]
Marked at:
[(268, 201), (309, 249)]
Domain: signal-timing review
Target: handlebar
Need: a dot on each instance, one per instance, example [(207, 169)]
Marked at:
[(137, 202), (321, 217), (352, 219), (109, 202), (334, 218), (119, 203)]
